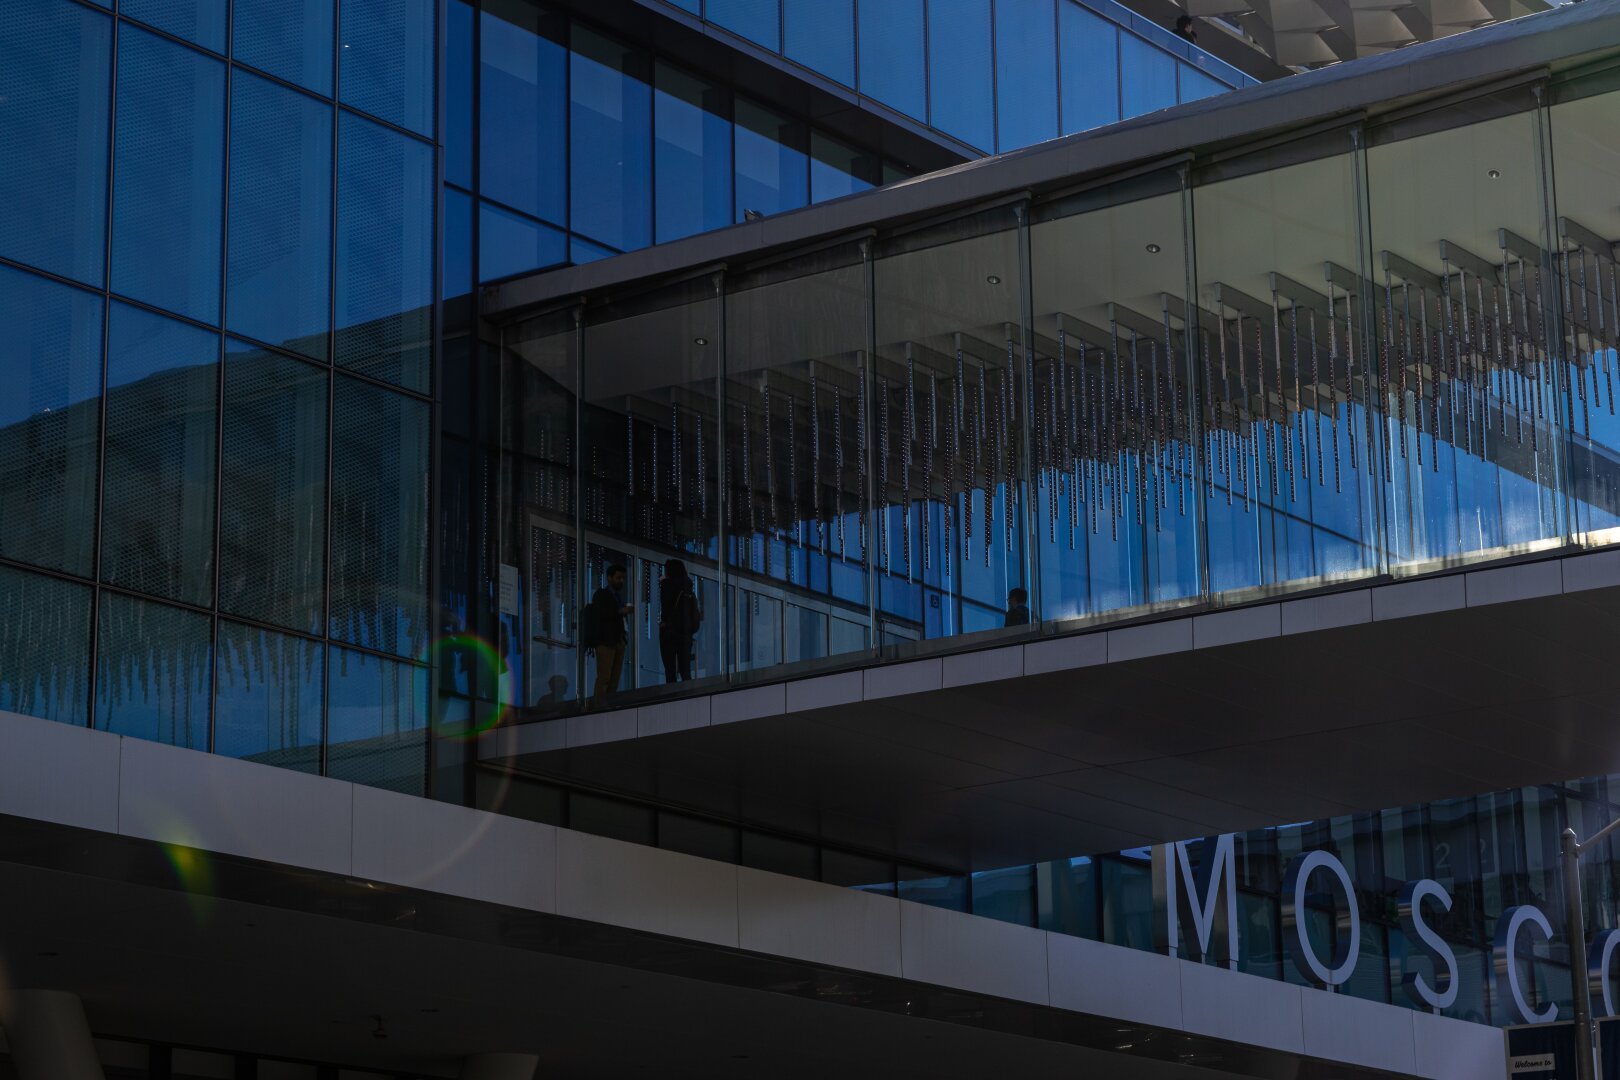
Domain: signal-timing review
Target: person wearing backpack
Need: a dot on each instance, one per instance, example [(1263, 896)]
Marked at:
[(678, 622), (602, 631)]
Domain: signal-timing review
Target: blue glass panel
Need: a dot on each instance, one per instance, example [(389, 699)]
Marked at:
[(168, 203), (201, 21), (277, 269), (523, 122), (1194, 84), (50, 386), (377, 721), (272, 530), (610, 136), (838, 169), (959, 71), (1026, 73), (820, 34), (157, 508), (384, 253), (755, 20), (686, 5), (692, 155), (511, 244), (892, 55), (386, 62), (152, 672), (773, 172), (1147, 76), (291, 39), (379, 519), (54, 68), (45, 653), (581, 250), (459, 137), (1089, 76), (458, 239), (269, 690)]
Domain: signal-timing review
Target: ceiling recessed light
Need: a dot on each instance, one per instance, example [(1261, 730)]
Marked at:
[(1495, 174), (1154, 249), (993, 279), (700, 341)]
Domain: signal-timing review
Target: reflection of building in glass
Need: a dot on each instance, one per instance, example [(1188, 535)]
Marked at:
[(345, 345)]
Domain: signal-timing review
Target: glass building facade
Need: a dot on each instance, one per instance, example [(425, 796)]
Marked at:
[(993, 74), (1380, 349)]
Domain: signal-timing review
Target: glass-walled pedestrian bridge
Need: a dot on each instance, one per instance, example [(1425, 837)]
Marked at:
[(1356, 325)]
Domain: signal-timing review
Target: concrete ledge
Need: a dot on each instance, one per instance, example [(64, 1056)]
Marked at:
[(1239, 624), (1066, 653), (1342, 1028), (1147, 990), (601, 727), (1424, 596), (1150, 639), (825, 691), (750, 703), (1504, 584), (1599, 570), (985, 665), (892, 680), (1246, 1008), (39, 753), (643, 888), (1328, 612), (200, 800), (948, 948), (824, 924), (682, 714)]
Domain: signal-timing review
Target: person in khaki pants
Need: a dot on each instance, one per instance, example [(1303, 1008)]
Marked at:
[(604, 632)]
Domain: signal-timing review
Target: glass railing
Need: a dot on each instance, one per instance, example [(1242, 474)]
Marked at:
[(1378, 350)]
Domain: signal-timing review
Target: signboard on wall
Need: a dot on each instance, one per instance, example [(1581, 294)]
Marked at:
[(1541, 1051)]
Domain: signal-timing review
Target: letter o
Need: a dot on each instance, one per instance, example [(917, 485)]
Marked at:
[(1598, 957), (1295, 885)]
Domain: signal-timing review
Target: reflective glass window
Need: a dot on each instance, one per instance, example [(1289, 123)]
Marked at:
[(459, 136), (269, 691), (273, 494), (798, 389), (946, 418), (291, 39), (961, 93), (55, 61), (949, 891), (1026, 73), (1089, 72), (458, 243), (893, 54), (1147, 76), (510, 243), (386, 60), (199, 21), (1194, 84), (583, 251), (540, 374), (379, 519), (773, 172), (376, 721), (1459, 277), (820, 34), (153, 671), (1006, 895), (1293, 483), (50, 387), (1586, 152), (837, 169), (692, 155), (610, 136), (1115, 516), (755, 20), (651, 368), (523, 122), (278, 268), (45, 653), (170, 163), (385, 254), (157, 511)]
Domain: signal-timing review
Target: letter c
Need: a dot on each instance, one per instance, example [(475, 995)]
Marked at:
[(1507, 972)]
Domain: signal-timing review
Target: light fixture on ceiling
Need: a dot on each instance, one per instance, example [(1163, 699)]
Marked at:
[(1495, 174), (1154, 249), (700, 341), (993, 279)]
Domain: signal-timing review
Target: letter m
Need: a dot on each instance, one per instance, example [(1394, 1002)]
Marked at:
[(1210, 894)]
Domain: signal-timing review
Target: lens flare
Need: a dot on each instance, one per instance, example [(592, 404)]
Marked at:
[(194, 873), (466, 659)]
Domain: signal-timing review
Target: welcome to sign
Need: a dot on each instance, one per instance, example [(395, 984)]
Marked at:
[(1206, 898)]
